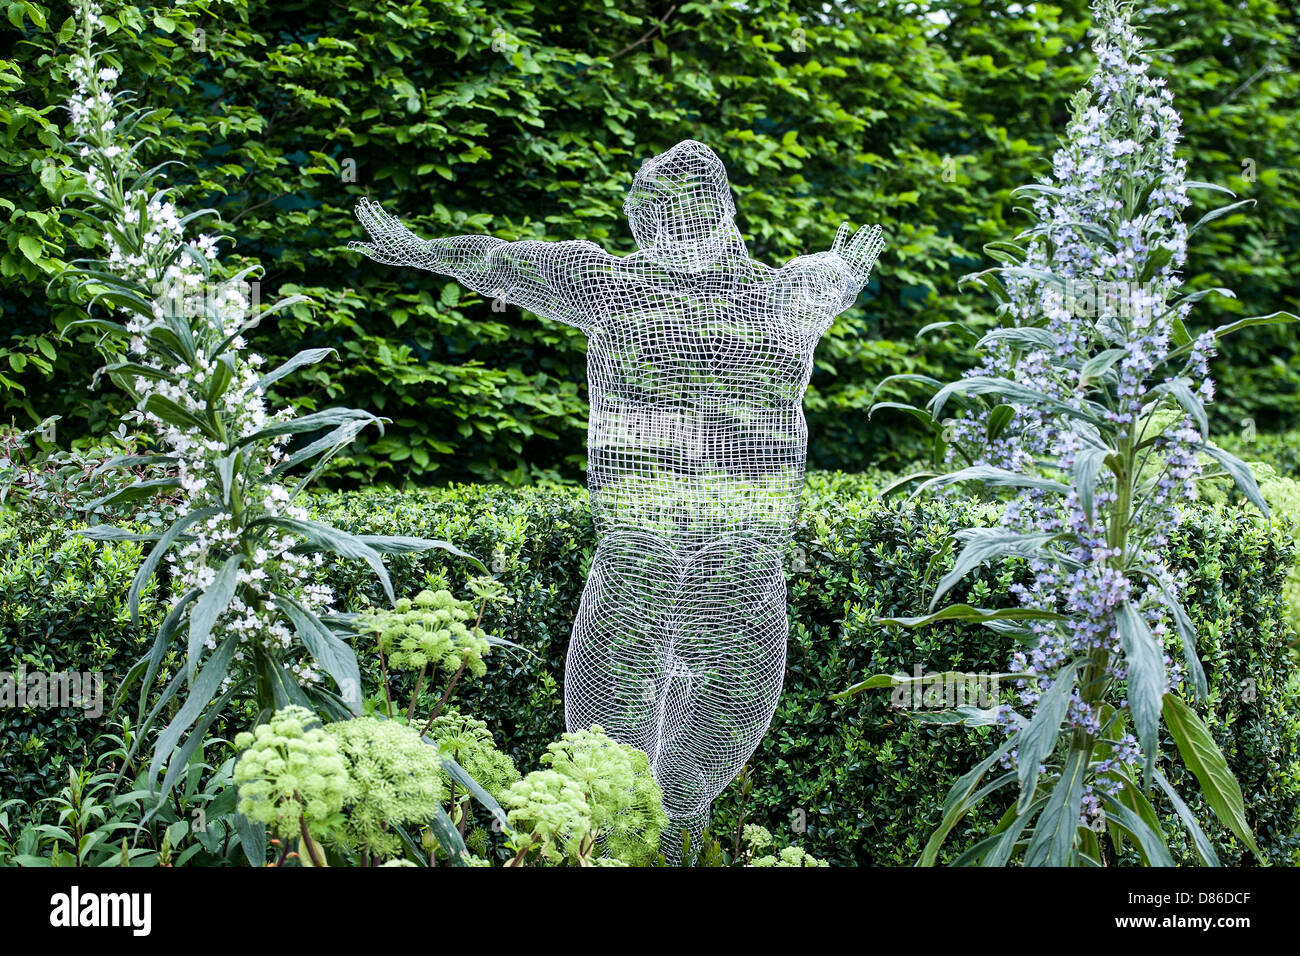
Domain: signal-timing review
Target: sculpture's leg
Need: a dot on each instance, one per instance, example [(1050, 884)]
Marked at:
[(681, 655), (730, 626), (614, 667)]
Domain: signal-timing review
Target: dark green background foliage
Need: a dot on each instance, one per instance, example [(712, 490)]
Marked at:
[(527, 120), (869, 780)]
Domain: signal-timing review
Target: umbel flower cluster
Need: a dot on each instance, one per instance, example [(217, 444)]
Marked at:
[(356, 784), (595, 803)]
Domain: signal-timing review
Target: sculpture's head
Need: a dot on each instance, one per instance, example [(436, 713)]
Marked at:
[(680, 208)]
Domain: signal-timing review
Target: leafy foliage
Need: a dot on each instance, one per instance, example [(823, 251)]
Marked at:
[(484, 117)]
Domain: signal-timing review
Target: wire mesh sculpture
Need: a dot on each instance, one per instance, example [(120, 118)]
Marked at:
[(698, 360)]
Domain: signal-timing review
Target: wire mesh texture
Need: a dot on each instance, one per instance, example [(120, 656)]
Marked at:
[(698, 359)]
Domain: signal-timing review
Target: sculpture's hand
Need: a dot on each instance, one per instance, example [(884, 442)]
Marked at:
[(860, 252), (391, 242)]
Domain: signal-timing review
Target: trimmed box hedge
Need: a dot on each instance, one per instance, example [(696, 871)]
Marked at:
[(858, 781)]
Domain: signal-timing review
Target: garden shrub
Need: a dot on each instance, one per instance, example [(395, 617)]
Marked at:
[(63, 609), (857, 781)]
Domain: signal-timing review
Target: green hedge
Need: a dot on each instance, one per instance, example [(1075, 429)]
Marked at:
[(62, 609), (527, 120), (868, 780)]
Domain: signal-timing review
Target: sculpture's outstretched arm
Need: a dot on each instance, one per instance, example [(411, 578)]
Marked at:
[(822, 285), (556, 280)]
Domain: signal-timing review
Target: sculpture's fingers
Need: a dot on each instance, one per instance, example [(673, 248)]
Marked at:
[(862, 239), (366, 214), (840, 235), (365, 249), (866, 245)]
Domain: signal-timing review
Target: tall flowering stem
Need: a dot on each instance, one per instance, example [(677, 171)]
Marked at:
[(1089, 406), (248, 622)]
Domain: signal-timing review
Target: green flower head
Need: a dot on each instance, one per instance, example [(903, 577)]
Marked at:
[(290, 770)]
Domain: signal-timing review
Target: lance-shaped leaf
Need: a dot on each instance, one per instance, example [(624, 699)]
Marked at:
[(965, 794), (1013, 392), (1186, 634), (1088, 463), (310, 423), (886, 681), (305, 357), (1203, 758), (1020, 337), (1180, 390), (975, 615), (1152, 846), (1241, 476), (462, 776), (989, 544), (214, 600), (202, 689), (1053, 842), (1273, 318), (993, 477), (169, 537), (331, 653), (1037, 739), (405, 544), (1214, 214), (136, 491), (1147, 681), (338, 542), (173, 414), (1204, 848)]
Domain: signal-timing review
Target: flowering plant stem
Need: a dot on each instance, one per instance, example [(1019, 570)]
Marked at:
[(250, 621), (1089, 410)]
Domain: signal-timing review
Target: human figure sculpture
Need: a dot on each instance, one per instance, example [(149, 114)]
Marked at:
[(698, 359)]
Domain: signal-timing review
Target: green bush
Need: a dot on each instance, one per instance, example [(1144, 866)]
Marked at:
[(525, 120), (863, 780), (62, 609)]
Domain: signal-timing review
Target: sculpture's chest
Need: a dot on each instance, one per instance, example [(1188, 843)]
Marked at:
[(670, 345)]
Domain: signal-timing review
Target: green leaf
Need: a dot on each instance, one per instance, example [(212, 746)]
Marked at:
[(1146, 681), (964, 795), (214, 600), (1152, 847), (994, 478), (202, 690), (1054, 835), (404, 544), (1036, 741), (1203, 758), (332, 655), (999, 419), (136, 491), (1241, 476), (305, 357), (1219, 213), (988, 544), (1204, 848), (160, 549), (964, 612), (1180, 390), (174, 414), (338, 542), (1273, 318), (1088, 462)]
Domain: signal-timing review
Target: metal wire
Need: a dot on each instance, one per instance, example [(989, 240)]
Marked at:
[(698, 360)]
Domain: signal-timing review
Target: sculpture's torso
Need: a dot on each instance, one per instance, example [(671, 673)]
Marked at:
[(697, 428)]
